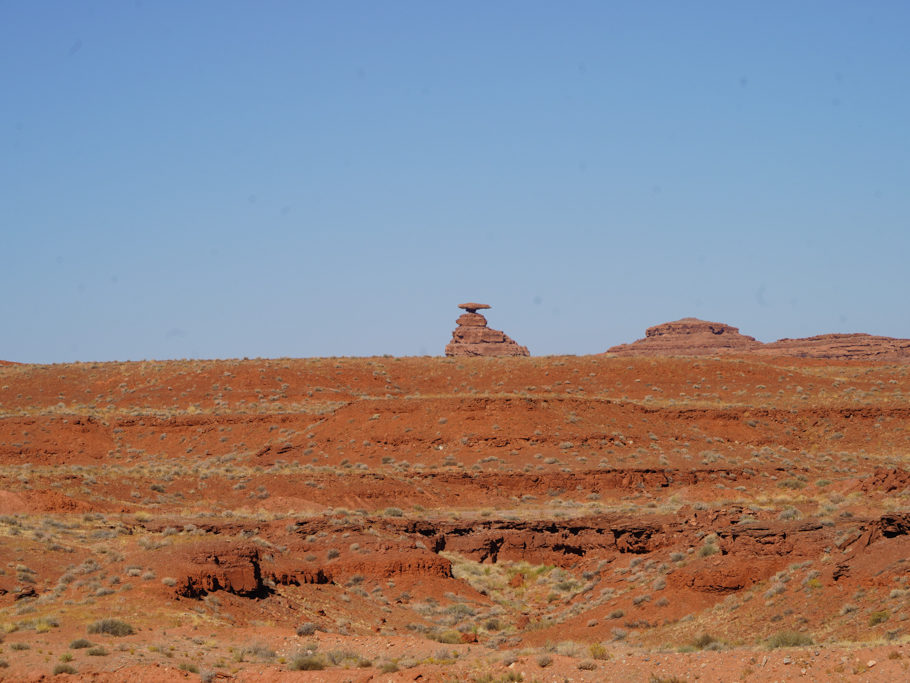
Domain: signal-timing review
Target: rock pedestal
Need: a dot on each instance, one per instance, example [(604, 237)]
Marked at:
[(472, 337)]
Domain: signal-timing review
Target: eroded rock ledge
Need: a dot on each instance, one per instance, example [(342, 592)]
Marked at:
[(694, 337)]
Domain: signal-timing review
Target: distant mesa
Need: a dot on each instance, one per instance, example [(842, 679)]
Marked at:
[(855, 346), (472, 337), (694, 337), (688, 337)]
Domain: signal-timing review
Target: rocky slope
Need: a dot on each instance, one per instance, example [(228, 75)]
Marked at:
[(586, 518)]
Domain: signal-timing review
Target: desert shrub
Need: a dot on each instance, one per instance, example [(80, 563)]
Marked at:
[(113, 627), (616, 614), (333, 553), (598, 651), (544, 661), (878, 617), (98, 652), (587, 665), (259, 651), (389, 668), (64, 669), (19, 646), (80, 643), (706, 642), (508, 677), (189, 666), (447, 637), (4, 664), (708, 549), (339, 657), (788, 639), (307, 662), (307, 628)]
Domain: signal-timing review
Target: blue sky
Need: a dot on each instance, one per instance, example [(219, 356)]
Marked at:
[(262, 179)]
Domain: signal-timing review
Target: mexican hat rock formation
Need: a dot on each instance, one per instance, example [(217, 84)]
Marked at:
[(472, 337)]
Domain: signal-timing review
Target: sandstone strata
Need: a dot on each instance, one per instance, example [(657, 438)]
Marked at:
[(688, 337), (844, 346), (472, 337), (694, 337)]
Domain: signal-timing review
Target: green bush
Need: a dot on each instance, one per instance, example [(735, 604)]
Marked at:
[(445, 637), (706, 642), (80, 643), (788, 639), (708, 549), (307, 663), (598, 651), (878, 617), (113, 627), (306, 629)]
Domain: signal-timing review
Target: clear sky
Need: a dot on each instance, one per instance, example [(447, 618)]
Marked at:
[(228, 179)]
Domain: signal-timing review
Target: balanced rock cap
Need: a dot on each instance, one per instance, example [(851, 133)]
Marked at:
[(472, 307)]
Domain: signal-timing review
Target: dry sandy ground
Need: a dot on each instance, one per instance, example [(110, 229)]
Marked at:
[(562, 518)]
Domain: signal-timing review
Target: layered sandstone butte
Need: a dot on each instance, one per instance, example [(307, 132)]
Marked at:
[(688, 337), (472, 337), (843, 346), (694, 337)]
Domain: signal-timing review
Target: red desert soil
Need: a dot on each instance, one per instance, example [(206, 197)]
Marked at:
[(456, 519)]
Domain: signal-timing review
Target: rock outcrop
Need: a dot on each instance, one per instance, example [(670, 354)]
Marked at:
[(688, 337), (472, 337), (694, 337), (234, 569), (842, 346)]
